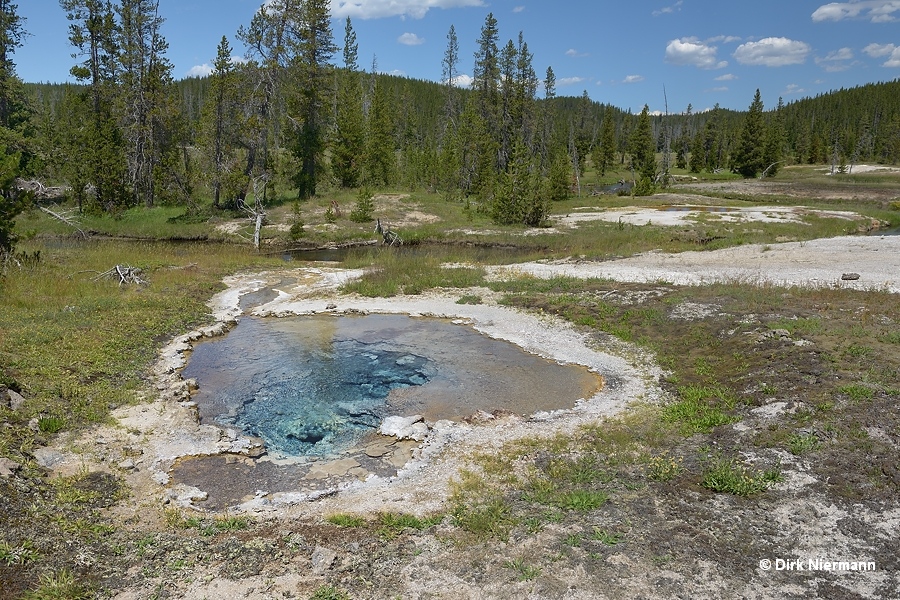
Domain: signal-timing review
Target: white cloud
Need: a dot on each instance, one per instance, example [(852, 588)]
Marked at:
[(889, 50), (877, 11), (726, 77), (633, 79), (793, 88), (575, 53), (199, 71), (772, 52), (570, 81), (836, 61), (717, 90), (410, 39), (691, 51), (876, 50), (668, 9), (378, 9), (463, 80), (725, 39), (518, 9)]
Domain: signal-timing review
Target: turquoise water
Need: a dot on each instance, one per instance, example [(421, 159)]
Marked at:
[(316, 386)]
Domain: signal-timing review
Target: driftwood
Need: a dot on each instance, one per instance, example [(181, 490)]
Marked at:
[(123, 274), (65, 217), (388, 237)]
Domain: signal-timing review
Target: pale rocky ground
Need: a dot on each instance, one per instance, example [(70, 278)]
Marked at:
[(154, 434)]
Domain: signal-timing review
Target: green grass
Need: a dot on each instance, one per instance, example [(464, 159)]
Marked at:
[(394, 272), (729, 475), (61, 585), (700, 409), (329, 592), (605, 537), (800, 444), (390, 525), (346, 520), (524, 571)]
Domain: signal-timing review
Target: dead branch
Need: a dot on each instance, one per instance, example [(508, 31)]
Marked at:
[(67, 218), (123, 274)]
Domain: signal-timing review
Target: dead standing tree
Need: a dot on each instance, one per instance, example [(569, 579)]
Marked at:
[(258, 212)]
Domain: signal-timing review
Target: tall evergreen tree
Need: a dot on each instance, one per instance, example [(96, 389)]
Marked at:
[(749, 155), (774, 150), (381, 161), (643, 154), (349, 143), (605, 152), (147, 115), (92, 32), (11, 201), (220, 121), (310, 68)]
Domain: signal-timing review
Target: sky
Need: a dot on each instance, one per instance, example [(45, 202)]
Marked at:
[(625, 53)]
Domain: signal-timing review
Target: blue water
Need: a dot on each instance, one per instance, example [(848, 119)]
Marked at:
[(316, 386), (301, 396)]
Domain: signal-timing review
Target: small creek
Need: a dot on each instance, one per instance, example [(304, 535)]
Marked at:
[(316, 388)]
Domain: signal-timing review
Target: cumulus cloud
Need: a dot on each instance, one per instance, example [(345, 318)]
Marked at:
[(691, 51), (199, 71), (633, 79), (378, 9), (570, 81), (839, 60), (793, 88), (575, 53), (877, 11), (667, 10), (463, 80), (772, 52), (410, 39), (726, 77), (880, 50)]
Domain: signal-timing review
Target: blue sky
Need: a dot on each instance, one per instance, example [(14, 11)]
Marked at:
[(623, 52)]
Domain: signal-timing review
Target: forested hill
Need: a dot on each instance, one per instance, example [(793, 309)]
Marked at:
[(861, 122)]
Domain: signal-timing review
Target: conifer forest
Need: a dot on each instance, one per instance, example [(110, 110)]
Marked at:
[(303, 114)]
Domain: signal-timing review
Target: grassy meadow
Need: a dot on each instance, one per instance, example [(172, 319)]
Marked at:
[(75, 344)]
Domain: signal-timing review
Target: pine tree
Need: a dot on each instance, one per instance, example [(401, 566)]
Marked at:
[(147, 116), (605, 152), (92, 32), (380, 161), (749, 155), (220, 121), (313, 49), (774, 152), (643, 155), (349, 143)]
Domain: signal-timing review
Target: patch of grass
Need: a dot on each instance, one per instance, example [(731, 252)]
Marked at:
[(664, 467), (346, 520), (700, 409), (22, 554), (581, 500), (605, 537), (62, 585), (469, 299), (857, 392), (329, 592), (573, 539), (51, 424), (729, 475), (799, 325), (393, 524), (226, 523), (524, 571), (392, 273), (800, 444), (858, 351)]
